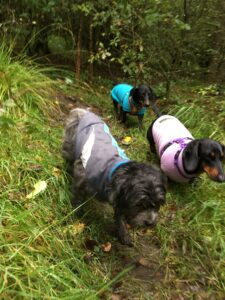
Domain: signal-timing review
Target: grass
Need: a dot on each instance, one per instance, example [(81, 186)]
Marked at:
[(42, 256), (42, 241)]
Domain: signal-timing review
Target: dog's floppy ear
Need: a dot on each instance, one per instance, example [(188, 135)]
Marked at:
[(191, 156), (134, 93)]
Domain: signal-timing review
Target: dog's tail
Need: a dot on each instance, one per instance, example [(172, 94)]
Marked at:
[(156, 109)]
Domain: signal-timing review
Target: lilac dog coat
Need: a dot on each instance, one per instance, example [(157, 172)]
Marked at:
[(171, 137)]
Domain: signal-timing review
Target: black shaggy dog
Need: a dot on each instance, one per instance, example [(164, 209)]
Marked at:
[(182, 157), (133, 100), (99, 167)]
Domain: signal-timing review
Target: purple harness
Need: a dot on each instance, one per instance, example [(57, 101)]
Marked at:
[(183, 144)]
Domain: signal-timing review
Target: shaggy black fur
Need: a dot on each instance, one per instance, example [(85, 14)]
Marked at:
[(136, 190)]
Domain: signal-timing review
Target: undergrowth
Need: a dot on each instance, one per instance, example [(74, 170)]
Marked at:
[(42, 253), (42, 241)]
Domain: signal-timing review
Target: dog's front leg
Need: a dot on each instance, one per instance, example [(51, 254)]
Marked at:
[(115, 104), (140, 122), (121, 229), (123, 115), (151, 139)]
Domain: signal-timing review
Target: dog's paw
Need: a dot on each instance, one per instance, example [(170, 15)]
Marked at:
[(126, 240)]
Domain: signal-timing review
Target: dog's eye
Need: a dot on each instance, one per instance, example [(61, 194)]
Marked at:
[(212, 155)]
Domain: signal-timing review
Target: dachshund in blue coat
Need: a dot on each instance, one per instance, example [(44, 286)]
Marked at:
[(133, 100)]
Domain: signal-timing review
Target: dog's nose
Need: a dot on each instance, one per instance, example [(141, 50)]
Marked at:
[(220, 178), (150, 223), (161, 198), (146, 102), (152, 220)]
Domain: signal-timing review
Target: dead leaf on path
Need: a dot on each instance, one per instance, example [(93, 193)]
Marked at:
[(39, 187), (106, 247), (143, 262), (70, 106), (117, 297), (74, 229)]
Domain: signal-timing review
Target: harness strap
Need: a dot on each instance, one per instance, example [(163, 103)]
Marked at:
[(179, 141), (176, 156), (183, 144)]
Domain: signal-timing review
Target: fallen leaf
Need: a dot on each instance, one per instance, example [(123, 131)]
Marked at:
[(106, 247), (127, 140), (117, 297), (70, 106), (143, 262), (74, 229), (39, 187)]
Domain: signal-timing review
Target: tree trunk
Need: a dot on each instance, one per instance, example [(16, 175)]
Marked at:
[(217, 64), (91, 67), (79, 46)]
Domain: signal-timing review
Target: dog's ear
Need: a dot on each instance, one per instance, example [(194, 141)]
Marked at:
[(135, 94), (132, 91), (191, 156)]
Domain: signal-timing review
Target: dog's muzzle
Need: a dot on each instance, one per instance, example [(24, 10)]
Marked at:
[(147, 218), (146, 102)]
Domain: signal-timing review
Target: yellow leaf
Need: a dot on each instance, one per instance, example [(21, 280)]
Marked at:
[(39, 187), (127, 140)]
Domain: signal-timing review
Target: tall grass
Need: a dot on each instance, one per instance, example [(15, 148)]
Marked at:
[(42, 241), (42, 252)]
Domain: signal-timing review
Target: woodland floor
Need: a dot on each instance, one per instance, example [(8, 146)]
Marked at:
[(147, 272)]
